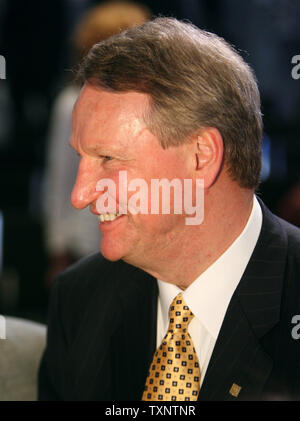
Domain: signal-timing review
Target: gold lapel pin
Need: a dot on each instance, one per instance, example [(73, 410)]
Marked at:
[(235, 390)]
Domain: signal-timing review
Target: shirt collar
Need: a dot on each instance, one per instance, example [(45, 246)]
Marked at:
[(209, 295)]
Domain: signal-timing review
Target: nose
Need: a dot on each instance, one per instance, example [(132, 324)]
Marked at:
[(84, 190)]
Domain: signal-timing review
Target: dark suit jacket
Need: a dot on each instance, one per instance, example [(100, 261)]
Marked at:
[(102, 328)]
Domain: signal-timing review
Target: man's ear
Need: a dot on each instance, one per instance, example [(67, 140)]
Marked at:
[(209, 152)]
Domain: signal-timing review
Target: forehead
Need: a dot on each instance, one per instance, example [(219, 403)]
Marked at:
[(102, 116)]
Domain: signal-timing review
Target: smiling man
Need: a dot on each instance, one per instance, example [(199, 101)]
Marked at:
[(175, 311)]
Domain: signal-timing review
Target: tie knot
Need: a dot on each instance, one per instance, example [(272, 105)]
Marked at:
[(179, 314)]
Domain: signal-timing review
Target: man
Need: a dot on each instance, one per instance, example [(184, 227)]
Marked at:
[(167, 101)]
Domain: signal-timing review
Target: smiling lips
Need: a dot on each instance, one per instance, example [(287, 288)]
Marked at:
[(108, 216)]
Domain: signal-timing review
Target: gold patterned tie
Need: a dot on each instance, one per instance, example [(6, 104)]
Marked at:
[(174, 374)]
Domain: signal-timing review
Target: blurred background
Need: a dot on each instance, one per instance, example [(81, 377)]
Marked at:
[(41, 41)]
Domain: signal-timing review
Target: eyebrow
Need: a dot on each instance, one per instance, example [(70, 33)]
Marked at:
[(104, 150)]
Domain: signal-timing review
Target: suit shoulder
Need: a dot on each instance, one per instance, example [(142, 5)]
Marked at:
[(293, 237), (88, 273), (85, 287), (96, 276), (292, 268), (90, 284)]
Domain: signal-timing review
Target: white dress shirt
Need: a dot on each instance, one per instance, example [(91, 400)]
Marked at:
[(209, 295)]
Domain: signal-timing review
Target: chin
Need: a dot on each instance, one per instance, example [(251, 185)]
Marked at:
[(112, 254)]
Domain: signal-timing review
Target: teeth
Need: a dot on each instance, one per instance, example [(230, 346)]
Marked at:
[(108, 216)]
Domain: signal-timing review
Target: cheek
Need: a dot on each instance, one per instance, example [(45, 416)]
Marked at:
[(156, 226)]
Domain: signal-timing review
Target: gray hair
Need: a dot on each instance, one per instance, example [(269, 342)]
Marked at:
[(194, 80)]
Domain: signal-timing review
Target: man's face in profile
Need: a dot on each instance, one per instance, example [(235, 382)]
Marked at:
[(110, 137)]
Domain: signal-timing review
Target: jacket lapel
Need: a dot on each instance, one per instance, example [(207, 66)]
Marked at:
[(238, 357)]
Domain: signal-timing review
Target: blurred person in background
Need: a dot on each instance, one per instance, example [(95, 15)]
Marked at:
[(69, 234), (289, 205)]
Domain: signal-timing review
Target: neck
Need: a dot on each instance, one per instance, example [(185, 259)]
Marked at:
[(195, 248)]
